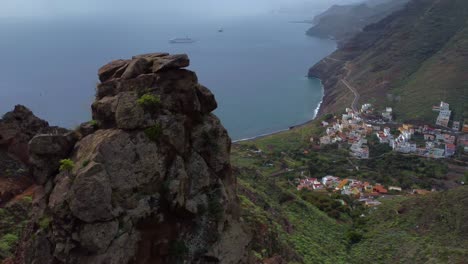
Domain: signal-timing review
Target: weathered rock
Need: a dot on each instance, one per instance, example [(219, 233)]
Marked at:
[(59, 195), (104, 111), (136, 67), (46, 151), (121, 250), (129, 160), (108, 71), (38, 251), (207, 99), (151, 56), (177, 183), (97, 237), (88, 128), (173, 128), (211, 140), (139, 84), (149, 179), (16, 130), (90, 196), (170, 62), (128, 114)]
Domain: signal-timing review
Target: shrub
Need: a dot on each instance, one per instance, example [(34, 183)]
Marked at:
[(94, 123), (27, 199), (7, 242), (85, 163), (44, 222), (154, 132), (66, 165), (149, 101), (353, 237)]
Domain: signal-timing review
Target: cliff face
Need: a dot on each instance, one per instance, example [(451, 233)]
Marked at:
[(410, 60), (147, 181), (342, 22)]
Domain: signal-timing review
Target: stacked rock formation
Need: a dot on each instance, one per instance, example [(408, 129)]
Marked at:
[(17, 127), (148, 180)]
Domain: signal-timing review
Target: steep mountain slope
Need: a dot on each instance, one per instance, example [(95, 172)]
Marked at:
[(411, 60), (342, 22), (428, 229)]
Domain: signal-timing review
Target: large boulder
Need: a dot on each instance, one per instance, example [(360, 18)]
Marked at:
[(17, 128), (46, 151), (112, 69)]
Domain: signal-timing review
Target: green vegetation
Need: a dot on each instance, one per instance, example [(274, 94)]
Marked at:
[(85, 163), (322, 226), (7, 242), (13, 219), (94, 123), (427, 229), (410, 68), (66, 165), (27, 199), (44, 222), (149, 102), (285, 224), (154, 132)]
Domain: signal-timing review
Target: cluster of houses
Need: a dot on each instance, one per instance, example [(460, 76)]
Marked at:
[(437, 143), (364, 191), (353, 129)]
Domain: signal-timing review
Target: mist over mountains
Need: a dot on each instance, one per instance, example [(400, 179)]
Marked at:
[(210, 8)]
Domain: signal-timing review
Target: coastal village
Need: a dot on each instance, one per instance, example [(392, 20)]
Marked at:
[(365, 191), (356, 129)]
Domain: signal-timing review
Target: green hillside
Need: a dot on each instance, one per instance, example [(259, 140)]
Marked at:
[(315, 227), (411, 60), (428, 229)]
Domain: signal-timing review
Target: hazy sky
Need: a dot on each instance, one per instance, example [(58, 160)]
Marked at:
[(53, 8)]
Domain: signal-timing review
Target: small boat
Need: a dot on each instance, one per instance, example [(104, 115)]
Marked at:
[(181, 40)]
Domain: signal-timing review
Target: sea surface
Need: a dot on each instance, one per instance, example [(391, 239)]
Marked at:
[(256, 68)]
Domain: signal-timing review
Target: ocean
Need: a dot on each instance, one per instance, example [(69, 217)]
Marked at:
[(256, 68)]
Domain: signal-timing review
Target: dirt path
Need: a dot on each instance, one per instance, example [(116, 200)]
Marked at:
[(357, 96)]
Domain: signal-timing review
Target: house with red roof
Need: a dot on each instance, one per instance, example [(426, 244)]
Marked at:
[(380, 189)]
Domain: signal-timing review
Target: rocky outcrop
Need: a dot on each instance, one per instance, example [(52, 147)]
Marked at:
[(17, 128), (153, 184)]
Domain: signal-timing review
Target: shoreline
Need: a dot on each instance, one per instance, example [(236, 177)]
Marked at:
[(316, 111)]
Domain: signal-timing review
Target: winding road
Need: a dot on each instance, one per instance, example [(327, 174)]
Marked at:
[(357, 96)]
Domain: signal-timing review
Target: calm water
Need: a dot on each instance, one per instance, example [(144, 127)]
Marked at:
[(256, 67)]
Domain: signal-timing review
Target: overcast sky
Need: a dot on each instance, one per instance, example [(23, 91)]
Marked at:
[(53, 8)]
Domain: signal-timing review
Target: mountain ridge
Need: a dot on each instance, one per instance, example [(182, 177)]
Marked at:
[(387, 59)]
